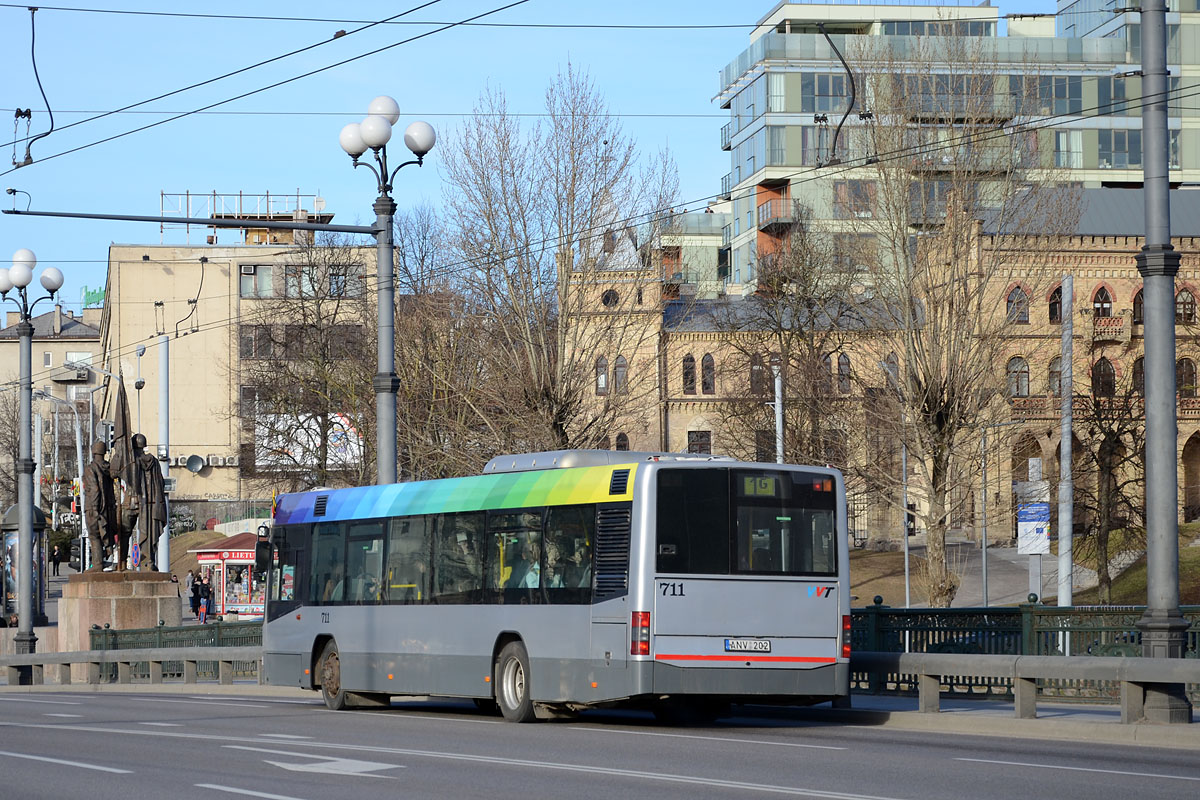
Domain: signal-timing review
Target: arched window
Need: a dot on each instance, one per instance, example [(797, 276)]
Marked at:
[(1139, 316), (622, 441), (1102, 303), (621, 375), (826, 378), (1056, 306), (1054, 384), (1018, 377), (891, 365), (708, 374), (844, 374), (1139, 375), (601, 375), (758, 375), (1104, 378), (1018, 306), (689, 374), (1185, 307), (1185, 377), (602, 444)]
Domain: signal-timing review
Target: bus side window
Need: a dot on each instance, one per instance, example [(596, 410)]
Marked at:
[(568, 550), (365, 568), (457, 568), (328, 564), (406, 579)]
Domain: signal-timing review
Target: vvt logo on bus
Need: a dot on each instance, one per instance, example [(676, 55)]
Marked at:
[(820, 591)]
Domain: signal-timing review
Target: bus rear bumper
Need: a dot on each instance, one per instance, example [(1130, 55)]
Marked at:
[(816, 683)]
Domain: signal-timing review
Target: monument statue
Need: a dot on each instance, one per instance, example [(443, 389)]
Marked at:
[(100, 506), (151, 507)]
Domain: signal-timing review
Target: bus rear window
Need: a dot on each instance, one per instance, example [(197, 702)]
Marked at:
[(693, 521)]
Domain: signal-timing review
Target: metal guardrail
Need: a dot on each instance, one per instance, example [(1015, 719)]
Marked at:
[(213, 634), (31, 668), (935, 671)]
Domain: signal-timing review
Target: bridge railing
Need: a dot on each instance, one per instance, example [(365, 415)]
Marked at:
[(33, 668), (214, 634)]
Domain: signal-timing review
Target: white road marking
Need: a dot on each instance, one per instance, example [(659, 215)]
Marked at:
[(710, 738), (46, 702), (1082, 769), (163, 724), (282, 736), (325, 765), (66, 763), (195, 702), (663, 777), (244, 792), (76, 716)]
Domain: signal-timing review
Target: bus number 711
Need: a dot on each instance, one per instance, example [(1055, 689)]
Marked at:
[(671, 589)]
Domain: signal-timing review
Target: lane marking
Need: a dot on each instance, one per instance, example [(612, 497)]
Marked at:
[(326, 765), (282, 736), (710, 738), (1082, 769), (194, 702), (66, 763), (46, 702), (663, 777), (163, 724), (63, 715), (245, 792)]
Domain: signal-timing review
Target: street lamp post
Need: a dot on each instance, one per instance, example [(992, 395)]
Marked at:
[(19, 276), (356, 138)]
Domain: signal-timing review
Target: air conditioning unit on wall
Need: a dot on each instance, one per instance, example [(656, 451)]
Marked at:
[(232, 461), (248, 269), (214, 460)]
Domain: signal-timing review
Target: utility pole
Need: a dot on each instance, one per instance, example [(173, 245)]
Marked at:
[(1163, 626)]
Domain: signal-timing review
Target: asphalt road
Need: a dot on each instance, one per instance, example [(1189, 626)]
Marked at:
[(106, 745)]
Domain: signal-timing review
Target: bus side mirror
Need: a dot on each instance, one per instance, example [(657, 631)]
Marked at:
[(262, 555)]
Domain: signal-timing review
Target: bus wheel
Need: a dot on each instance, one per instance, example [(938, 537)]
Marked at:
[(512, 679), (331, 678)]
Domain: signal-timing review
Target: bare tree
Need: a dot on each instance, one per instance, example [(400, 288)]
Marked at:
[(941, 166), (306, 402), (553, 226)]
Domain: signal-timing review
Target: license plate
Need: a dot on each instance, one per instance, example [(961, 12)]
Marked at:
[(747, 645)]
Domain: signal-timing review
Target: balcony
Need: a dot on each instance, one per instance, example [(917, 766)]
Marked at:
[(726, 136), (726, 186), (775, 215), (69, 374), (1113, 329)]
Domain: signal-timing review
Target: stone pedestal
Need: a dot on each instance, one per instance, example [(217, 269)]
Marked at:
[(121, 600)]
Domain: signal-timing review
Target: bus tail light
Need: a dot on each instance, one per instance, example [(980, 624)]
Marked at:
[(639, 637), (845, 636)]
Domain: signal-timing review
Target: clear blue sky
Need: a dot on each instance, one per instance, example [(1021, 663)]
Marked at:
[(285, 139)]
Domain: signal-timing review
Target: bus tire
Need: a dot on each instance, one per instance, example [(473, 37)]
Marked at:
[(330, 670), (512, 683)]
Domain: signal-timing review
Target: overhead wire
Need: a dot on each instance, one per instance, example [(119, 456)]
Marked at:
[(277, 84)]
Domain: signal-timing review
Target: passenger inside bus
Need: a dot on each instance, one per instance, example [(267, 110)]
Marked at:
[(333, 586), (526, 571), (579, 571)]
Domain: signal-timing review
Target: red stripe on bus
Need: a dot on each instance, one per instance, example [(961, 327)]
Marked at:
[(799, 659)]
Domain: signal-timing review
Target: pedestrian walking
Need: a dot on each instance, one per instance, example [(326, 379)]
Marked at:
[(205, 600), (194, 599), (55, 560)]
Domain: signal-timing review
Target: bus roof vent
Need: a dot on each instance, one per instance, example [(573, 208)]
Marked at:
[(319, 506), (620, 482)]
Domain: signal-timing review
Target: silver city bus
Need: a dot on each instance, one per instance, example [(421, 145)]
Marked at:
[(559, 581)]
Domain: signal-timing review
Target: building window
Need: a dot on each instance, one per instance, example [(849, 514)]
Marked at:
[(47, 359), (1139, 315), (758, 375), (1185, 307), (825, 377), (1054, 384), (1102, 303), (602, 375), (1120, 149), (255, 280), (339, 283), (764, 446), (853, 199), (1104, 378), (689, 374), (1018, 306), (700, 442), (1185, 377), (247, 411), (708, 375), (77, 357), (621, 375), (254, 342), (843, 374), (891, 366), (603, 444), (1139, 376), (1056, 306), (622, 441), (1068, 149), (1018, 377), (610, 298)]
